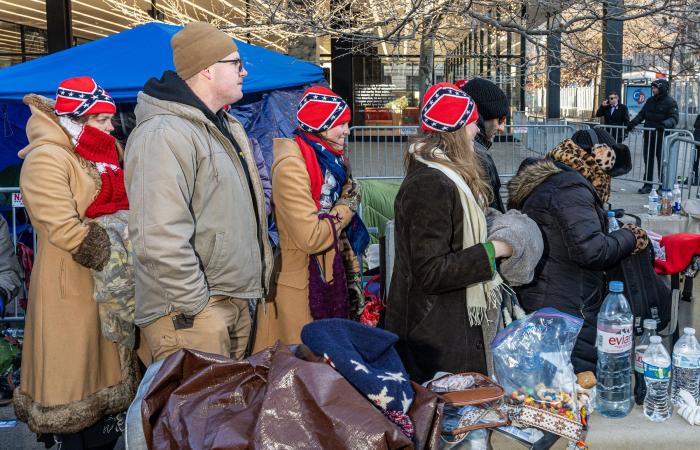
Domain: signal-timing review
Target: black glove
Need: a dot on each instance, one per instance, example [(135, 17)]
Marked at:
[(629, 128)]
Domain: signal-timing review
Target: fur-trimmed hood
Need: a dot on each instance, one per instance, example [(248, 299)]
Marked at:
[(43, 126), (532, 173), (592, 167)]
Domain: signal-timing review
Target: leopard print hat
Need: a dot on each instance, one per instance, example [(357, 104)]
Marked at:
[(613, 158)]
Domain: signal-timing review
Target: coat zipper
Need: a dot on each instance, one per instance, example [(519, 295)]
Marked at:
[(232, 154)]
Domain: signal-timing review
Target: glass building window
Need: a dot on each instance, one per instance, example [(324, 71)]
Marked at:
[(20, 43)]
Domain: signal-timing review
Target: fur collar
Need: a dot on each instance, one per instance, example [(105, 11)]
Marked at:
[(528, 178)]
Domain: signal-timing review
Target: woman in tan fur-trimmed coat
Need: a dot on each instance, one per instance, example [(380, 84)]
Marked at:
[(72, 379)]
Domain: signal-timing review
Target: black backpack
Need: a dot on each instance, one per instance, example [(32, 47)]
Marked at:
[(648, 294)]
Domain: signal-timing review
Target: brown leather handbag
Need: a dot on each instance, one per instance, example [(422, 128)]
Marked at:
[(472, 401)]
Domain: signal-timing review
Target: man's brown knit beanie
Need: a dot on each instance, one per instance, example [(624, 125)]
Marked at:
[(199, 45)]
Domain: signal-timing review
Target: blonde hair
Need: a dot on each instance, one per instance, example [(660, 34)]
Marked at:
[(459, 148)]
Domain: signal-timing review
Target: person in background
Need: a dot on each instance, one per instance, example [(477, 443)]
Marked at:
[(198, 222), (494, 109), (614, 113), (445, 280), (10, 281), (565, 193), (74, 382), (315, 203), (659, 113)]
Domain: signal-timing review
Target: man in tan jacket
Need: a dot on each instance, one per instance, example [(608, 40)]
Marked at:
[(198, 224)]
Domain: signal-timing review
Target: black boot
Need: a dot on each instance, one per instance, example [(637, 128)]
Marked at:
[(645, 189)]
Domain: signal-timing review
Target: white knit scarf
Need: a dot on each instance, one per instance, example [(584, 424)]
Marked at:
[(483, 295)]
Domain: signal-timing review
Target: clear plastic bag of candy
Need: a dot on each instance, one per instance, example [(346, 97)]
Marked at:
[(532, 361)]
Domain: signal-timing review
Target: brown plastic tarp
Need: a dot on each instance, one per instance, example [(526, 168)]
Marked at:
[(274, 399)]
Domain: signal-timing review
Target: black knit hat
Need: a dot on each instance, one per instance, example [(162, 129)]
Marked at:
[(491, 101), (587, 139)]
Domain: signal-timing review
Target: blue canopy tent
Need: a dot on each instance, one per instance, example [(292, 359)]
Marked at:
[(123, 62)]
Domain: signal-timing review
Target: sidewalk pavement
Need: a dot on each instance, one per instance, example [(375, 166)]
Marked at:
[(19, 437)]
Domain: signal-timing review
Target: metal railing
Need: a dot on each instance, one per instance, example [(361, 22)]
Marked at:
[(680, 154), (647, 150), (14, 311), (378, 152)]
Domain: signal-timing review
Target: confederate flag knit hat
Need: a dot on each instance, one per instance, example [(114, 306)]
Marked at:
[(446, 108), (321, 109), (82, 96)]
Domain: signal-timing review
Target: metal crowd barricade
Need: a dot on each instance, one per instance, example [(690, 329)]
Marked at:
[(524, 141), (679, 155), (13, 311), (378, 152), (641, 142)]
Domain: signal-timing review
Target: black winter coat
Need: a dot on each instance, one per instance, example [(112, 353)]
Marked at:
[(481, 146), (660, 111), (577, 247), (426, 304)]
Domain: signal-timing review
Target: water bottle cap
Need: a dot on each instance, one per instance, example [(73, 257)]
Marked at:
[(611, 213), (655, 339), (616, 286), (650, 323), (689, 330)]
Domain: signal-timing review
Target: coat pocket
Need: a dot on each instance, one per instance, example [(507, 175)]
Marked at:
[(62, 278), (216, 260), (422, 316), (297, 279), (70, 279)]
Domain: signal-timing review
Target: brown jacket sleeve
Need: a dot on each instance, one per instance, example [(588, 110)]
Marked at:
[(45, 186), (294, 206)]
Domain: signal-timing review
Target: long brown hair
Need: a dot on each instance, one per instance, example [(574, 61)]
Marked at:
[(459, 148)]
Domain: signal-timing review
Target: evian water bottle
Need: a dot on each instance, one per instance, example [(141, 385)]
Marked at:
[(614, 342)]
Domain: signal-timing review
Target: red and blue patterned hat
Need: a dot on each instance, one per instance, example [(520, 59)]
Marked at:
[(446, 108), (321, 109), (82, 96)]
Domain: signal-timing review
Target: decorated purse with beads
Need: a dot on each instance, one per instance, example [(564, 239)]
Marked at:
[(472, 401)]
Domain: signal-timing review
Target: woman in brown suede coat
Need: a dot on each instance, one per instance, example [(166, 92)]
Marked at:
[(73, 379), (444, 283)]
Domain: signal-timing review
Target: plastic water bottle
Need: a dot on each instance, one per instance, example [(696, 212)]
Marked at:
[(640, 387), (612, 222), (677, 198), (614, 342), (654, 204), (686, 365), (657, 372)]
